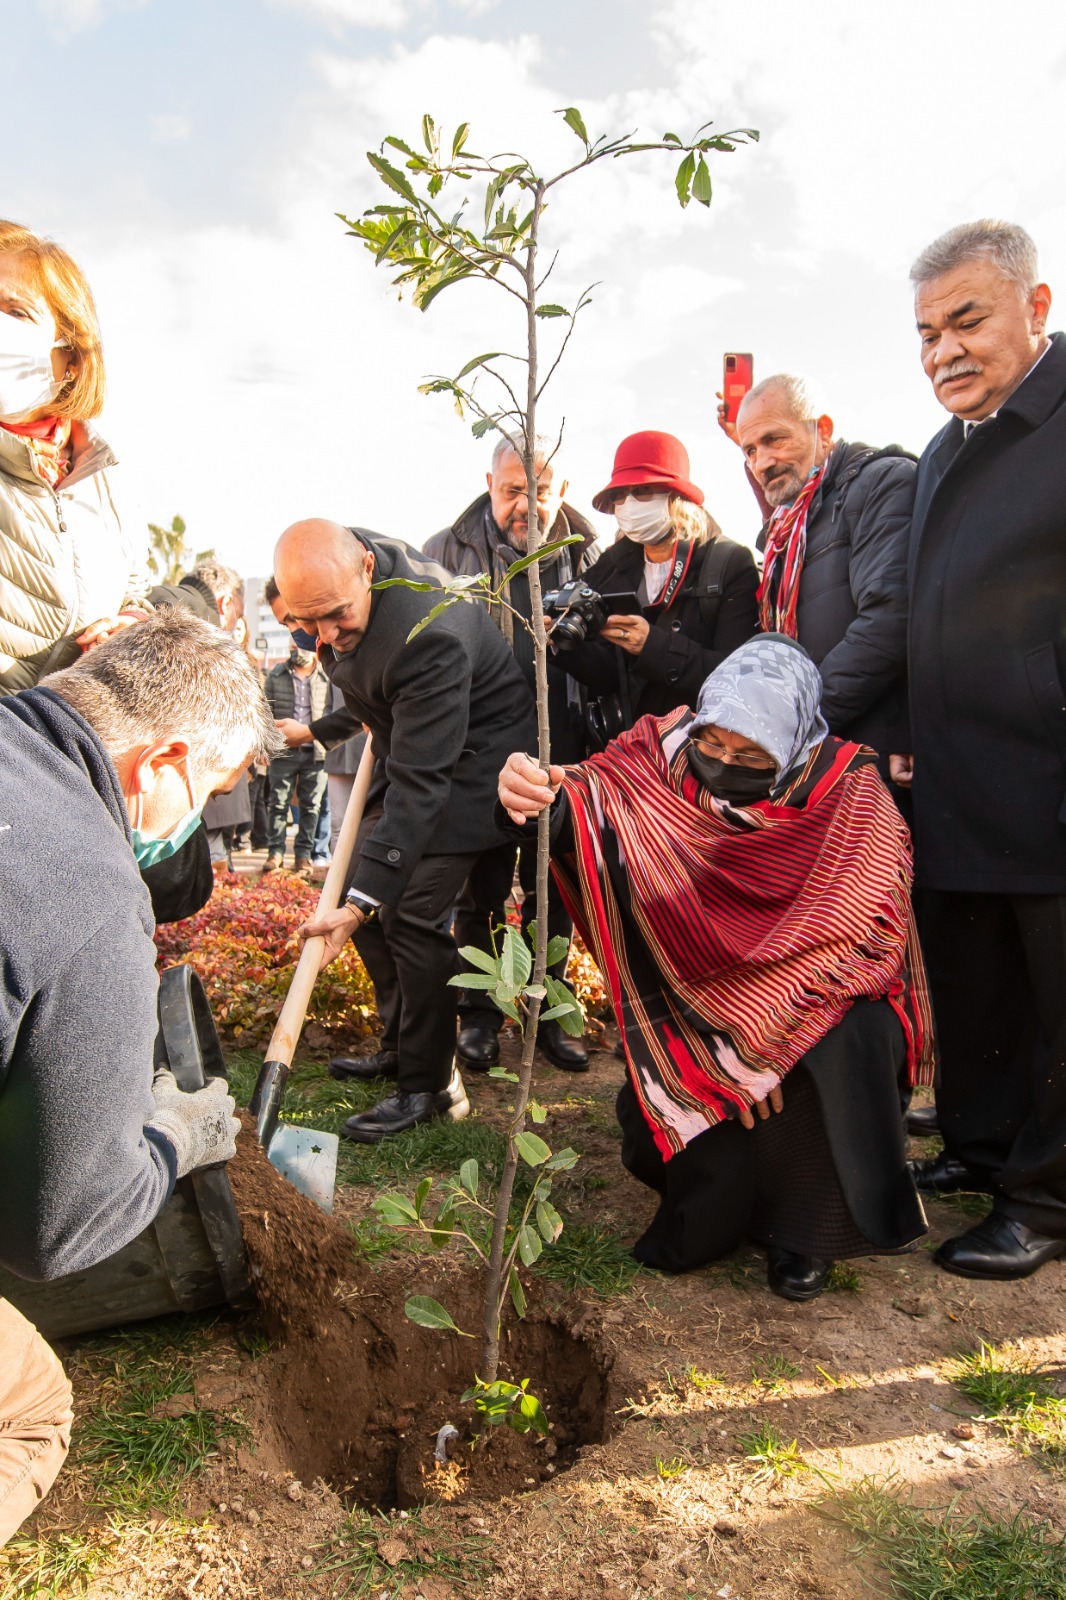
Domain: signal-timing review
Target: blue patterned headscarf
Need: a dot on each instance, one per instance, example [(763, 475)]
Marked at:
[(768, 691)]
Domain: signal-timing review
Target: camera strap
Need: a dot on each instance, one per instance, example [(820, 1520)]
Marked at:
[(678, 572)]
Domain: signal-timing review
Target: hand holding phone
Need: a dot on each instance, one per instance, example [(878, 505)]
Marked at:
[(737, 379)]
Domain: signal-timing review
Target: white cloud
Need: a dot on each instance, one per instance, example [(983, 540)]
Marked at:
[(263, 374), (387, 14), (170, 129), (68, 17)]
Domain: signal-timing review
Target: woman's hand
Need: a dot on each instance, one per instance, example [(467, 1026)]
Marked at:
[(334, 929), (525, 789), (773, 1102), (107, 627), (629, 633)]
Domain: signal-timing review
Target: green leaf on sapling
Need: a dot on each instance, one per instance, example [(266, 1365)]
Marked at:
[(701, 183), (502, 1073), (468, 1177), (552, 311), (546, 551), (479, 958), (532, 1149), (576, 122), (530, 1245), (683, 180), (460, 138), (431, 616), (478, 361), (518, 1294), (392, 176), (530, 1414), (473, 980), (558, 949), (420, 1195), (516, 960), (549, 1222), (537, 1112), (562, 1161), (426, 1312)]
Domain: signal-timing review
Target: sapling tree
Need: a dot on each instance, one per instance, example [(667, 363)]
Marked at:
[(451, 217)]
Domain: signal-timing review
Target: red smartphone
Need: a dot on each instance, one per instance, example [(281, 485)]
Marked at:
[(737, 378)]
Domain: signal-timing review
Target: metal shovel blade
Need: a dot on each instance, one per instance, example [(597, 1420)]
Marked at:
[(306, 1158)]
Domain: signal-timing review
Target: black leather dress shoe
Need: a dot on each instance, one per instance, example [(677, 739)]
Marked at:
[(382, 1064), (942, 1174), (920, 1122), (562, 1051), (402, 1110), (796, 1277), (478, 1047), (998, 1247)]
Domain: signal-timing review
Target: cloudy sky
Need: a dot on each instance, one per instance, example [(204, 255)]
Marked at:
[(193, 154)]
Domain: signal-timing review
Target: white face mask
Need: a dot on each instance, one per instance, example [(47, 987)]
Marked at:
[(644, 521), (27, 381)]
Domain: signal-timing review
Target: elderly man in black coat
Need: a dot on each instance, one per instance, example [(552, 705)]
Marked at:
[(987, 665), (835, 553), (442, 705)]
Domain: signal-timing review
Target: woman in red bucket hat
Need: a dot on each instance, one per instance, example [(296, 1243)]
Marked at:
[(694, 593)]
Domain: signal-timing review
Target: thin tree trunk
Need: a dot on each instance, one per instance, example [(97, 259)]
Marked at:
[(495, 1287)]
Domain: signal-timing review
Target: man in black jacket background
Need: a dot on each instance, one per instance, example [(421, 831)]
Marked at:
[(987, 669), (440, 707), (850, 614), (489, 537)]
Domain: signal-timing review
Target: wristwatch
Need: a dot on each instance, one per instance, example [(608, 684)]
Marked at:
[(360, 902)]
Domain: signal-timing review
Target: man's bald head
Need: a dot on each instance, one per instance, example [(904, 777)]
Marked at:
[(323, 573)]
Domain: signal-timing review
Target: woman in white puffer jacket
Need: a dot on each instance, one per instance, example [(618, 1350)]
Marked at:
[(67, 557)]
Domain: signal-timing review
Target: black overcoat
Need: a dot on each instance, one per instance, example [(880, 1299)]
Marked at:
[(444, 709), (987, 646)]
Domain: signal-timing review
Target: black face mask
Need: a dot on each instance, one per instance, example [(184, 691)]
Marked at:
[(739, 786)]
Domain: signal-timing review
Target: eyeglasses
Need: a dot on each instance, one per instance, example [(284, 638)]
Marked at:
[(757, 760), (639, 491)]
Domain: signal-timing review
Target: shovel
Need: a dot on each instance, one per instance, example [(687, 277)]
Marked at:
[(305, 1156)]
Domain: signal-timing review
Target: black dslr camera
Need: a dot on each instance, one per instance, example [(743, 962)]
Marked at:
[(577, 613)]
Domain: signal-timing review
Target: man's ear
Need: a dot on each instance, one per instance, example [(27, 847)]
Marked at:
[(145, 763), (488, 480), (563, 487), (1039, 306), (825, 430)]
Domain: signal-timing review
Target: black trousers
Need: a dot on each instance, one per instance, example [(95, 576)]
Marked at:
[(997, 973), (410, 955), (480, 908)]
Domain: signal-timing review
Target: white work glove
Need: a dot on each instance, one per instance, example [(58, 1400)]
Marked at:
[(200, 1125)]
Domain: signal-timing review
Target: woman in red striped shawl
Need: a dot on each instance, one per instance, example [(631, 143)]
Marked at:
[(743, 881)]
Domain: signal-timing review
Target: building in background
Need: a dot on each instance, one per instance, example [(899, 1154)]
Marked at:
[(270, 641)]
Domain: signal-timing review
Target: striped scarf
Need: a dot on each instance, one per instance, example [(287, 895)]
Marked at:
[(786, 546), (733, 940)]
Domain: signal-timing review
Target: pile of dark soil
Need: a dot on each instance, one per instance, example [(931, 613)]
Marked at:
[(353, 1393)]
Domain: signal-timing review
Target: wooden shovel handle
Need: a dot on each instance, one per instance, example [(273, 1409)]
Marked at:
[(286, 1033)]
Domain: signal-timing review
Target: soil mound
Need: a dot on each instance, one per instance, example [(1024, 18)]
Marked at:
[(353, 1393)]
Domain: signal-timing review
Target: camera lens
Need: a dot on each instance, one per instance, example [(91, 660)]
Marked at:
[(569, 630)]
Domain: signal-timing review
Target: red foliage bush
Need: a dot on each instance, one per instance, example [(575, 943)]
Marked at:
[(243, 945)]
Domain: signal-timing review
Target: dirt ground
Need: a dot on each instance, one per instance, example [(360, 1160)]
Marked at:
[(646, 1486)]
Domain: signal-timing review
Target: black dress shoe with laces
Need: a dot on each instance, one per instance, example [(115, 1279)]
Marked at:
[(478, 1046), (796, 1277), (568, 1054), (998, 1248), (382, 1064), (942, 1174), (920, 1122), (402, 1110)]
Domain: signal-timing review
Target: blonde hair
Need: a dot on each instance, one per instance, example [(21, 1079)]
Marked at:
[(57, 278), (691, 522)]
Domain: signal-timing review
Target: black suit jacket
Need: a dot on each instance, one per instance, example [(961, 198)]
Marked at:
[(987, 646), (444, 709)]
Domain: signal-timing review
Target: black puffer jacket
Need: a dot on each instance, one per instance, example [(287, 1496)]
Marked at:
[(852, 613), (280, 696), (712, 614)]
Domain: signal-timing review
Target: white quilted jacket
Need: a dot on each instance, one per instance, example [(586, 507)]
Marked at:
[(66, 557)]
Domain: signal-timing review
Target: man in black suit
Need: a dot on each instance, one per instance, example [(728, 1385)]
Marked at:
[(987, 665), (442, 708)]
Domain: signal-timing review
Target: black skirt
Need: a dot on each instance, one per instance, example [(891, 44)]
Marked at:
[(826, 1176)]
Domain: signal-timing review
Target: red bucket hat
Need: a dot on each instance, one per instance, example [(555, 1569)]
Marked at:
[(650, 458)]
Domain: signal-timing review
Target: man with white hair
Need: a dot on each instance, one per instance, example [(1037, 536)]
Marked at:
[(104, 768), (987, 670), (835, 549), (490, 536)]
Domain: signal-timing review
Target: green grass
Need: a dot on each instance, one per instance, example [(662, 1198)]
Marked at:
[(356, 1569), (843, 1279), (953, 1557), (768, 1452), (134, 1460), (773, 1374), (1019, 1396), (54, 1567), (586, 1256), (675, 1467)]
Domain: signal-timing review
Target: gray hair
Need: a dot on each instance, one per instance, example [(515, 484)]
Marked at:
[(1005, 244), (799, 395), (220, 579), (173, 676), (509, 445)]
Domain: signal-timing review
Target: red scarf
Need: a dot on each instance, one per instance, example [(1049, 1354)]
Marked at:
[(732, 942), (786, 546), (49, 440)]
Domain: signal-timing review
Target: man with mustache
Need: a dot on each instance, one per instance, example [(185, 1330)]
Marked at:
[(490, 536), (835, 542), (987, 665)]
